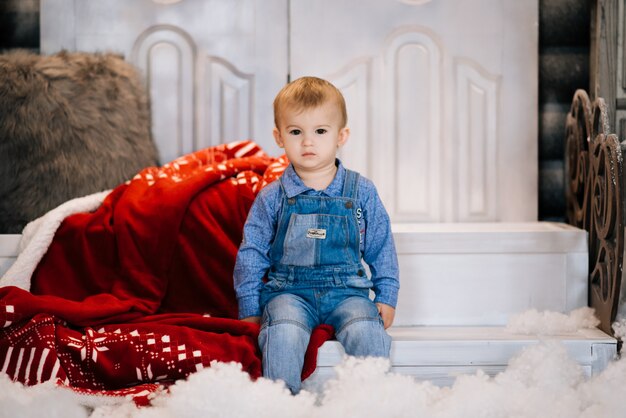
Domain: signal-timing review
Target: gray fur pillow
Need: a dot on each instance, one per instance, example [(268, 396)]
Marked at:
[(71, 124)]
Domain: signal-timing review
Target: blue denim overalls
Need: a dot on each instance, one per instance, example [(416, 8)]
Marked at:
[(316, 277)]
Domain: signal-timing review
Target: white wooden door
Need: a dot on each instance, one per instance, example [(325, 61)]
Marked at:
[(212, 66), (442, 99), (442, 94)]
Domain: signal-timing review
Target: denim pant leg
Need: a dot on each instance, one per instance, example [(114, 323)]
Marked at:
[(285, 332), (359, 328)]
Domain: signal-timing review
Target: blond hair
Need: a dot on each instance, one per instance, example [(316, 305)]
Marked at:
[(306, 93)]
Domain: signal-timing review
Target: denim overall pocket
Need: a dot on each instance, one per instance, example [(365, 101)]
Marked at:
[(316, 239), (274, 284)]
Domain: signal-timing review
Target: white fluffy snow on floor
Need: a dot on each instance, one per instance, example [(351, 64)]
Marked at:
[(541, 381), (37, 401), (552, 323)]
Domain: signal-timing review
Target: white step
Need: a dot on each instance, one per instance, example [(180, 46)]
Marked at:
[(479, 274), (9, 244), (440, 354)]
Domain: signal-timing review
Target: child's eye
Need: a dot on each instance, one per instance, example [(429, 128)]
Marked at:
[(320, 131), (295, 132)]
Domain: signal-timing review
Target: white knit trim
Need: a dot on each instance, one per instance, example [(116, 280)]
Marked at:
[(38, 234)]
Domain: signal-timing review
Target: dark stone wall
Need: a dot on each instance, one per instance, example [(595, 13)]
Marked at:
[(564, 39), (19, 24), (564, 27)]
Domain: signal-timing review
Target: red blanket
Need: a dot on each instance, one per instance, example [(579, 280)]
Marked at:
[(139, 293)]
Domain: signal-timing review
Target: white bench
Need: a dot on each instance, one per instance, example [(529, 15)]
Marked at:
[(482, 273), (460, 283)]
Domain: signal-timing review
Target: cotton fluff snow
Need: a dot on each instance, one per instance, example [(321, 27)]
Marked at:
[(552, 323), (541, 381), (45, 399)]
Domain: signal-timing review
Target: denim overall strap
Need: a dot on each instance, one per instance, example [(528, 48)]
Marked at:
[(350, 185), (286, 209), (282, 186)]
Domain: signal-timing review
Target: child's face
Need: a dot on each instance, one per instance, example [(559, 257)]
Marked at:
[(311, 137)]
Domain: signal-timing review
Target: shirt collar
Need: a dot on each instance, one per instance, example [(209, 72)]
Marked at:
[(293, 184)]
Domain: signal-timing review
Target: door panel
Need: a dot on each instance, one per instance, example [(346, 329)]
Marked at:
[(212, 66), (452, 100)]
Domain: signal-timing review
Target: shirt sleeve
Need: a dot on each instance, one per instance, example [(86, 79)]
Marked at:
[(253, 260), (379, 249)]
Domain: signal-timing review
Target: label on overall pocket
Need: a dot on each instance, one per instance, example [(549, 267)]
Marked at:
[(316, 233)]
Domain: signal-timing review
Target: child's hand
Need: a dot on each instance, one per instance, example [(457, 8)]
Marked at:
[(253, 319), (387, 313)]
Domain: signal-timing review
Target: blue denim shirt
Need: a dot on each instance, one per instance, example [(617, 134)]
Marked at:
[(377, 246)]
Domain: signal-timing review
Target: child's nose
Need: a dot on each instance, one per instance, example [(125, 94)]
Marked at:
[(307, 140)]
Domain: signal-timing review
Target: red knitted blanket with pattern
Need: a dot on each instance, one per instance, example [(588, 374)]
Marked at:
[(139, 293)]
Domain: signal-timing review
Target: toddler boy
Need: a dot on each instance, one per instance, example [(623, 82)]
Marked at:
[(309, 232)]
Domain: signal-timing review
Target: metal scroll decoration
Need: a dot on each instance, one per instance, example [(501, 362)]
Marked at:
[(593, 164)]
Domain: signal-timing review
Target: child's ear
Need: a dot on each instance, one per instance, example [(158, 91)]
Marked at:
[(344, 134), (278, 138)]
